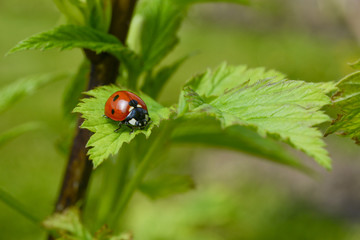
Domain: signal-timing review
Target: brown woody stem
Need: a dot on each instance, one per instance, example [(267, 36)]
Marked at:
[(104, 70)]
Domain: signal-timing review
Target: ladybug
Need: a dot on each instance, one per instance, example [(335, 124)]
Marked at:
[(127, 108)]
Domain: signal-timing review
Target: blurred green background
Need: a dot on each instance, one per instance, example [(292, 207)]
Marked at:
[(237, 196)]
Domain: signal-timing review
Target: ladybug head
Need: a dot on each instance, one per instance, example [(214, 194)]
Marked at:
[(138, 117), (133, 103)]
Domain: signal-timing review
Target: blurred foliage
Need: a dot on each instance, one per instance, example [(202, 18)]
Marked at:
[(21, 88), (346, 100), (252, 210), (34, 177), (17, 131), (299, 54)]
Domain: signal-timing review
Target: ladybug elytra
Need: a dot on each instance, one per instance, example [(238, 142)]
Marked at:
[(127, 108)]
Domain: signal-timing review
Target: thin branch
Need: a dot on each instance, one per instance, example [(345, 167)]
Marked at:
[(104, 70)]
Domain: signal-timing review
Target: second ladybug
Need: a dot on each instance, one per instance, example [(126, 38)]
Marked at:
[(127, 108)]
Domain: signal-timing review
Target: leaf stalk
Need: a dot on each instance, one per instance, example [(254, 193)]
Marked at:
[(139, 175)]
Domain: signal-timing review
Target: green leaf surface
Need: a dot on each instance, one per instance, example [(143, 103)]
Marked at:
[(105, 142), (206, 131), (73, 91), (16, 90), (347, 100), (263, 100), (166, 185), (67, 37), (17, 131)]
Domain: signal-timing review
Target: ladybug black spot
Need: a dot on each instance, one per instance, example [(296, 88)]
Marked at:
[(112, 111), (116, 97)]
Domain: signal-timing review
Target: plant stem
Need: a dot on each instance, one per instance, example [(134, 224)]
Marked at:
[(121, 181), (114, 186), (104, 70), (139, 175)]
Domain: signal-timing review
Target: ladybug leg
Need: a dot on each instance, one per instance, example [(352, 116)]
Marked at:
[(149, 121), (132, 129), (105, 116), (120, 124), (127, 124)]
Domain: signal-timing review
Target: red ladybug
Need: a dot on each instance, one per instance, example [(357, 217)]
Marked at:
[(127, 108)]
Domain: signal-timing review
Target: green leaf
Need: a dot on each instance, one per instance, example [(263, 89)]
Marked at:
[(156, 23), (243, 2), (122, 236), (98, 13), (160, 20), (208, 132), (67, 37), (283, 109), (13, 92), (17, 131), (105, 142), (73, 91), (92, 13), (347, 100), (166, 185), (12, 202), (154, 84), (68, 225), (73, 10)]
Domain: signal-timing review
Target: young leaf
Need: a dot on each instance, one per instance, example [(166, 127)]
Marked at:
[(157, 23), (283, 109), (74, 90), (98, 13), (347, 99), (68, 225), (23, 87), (73, 10), (161, 20), (243, 2), (154, 84), (207, 131), (105, 141), (166, 185), (17, 131)]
